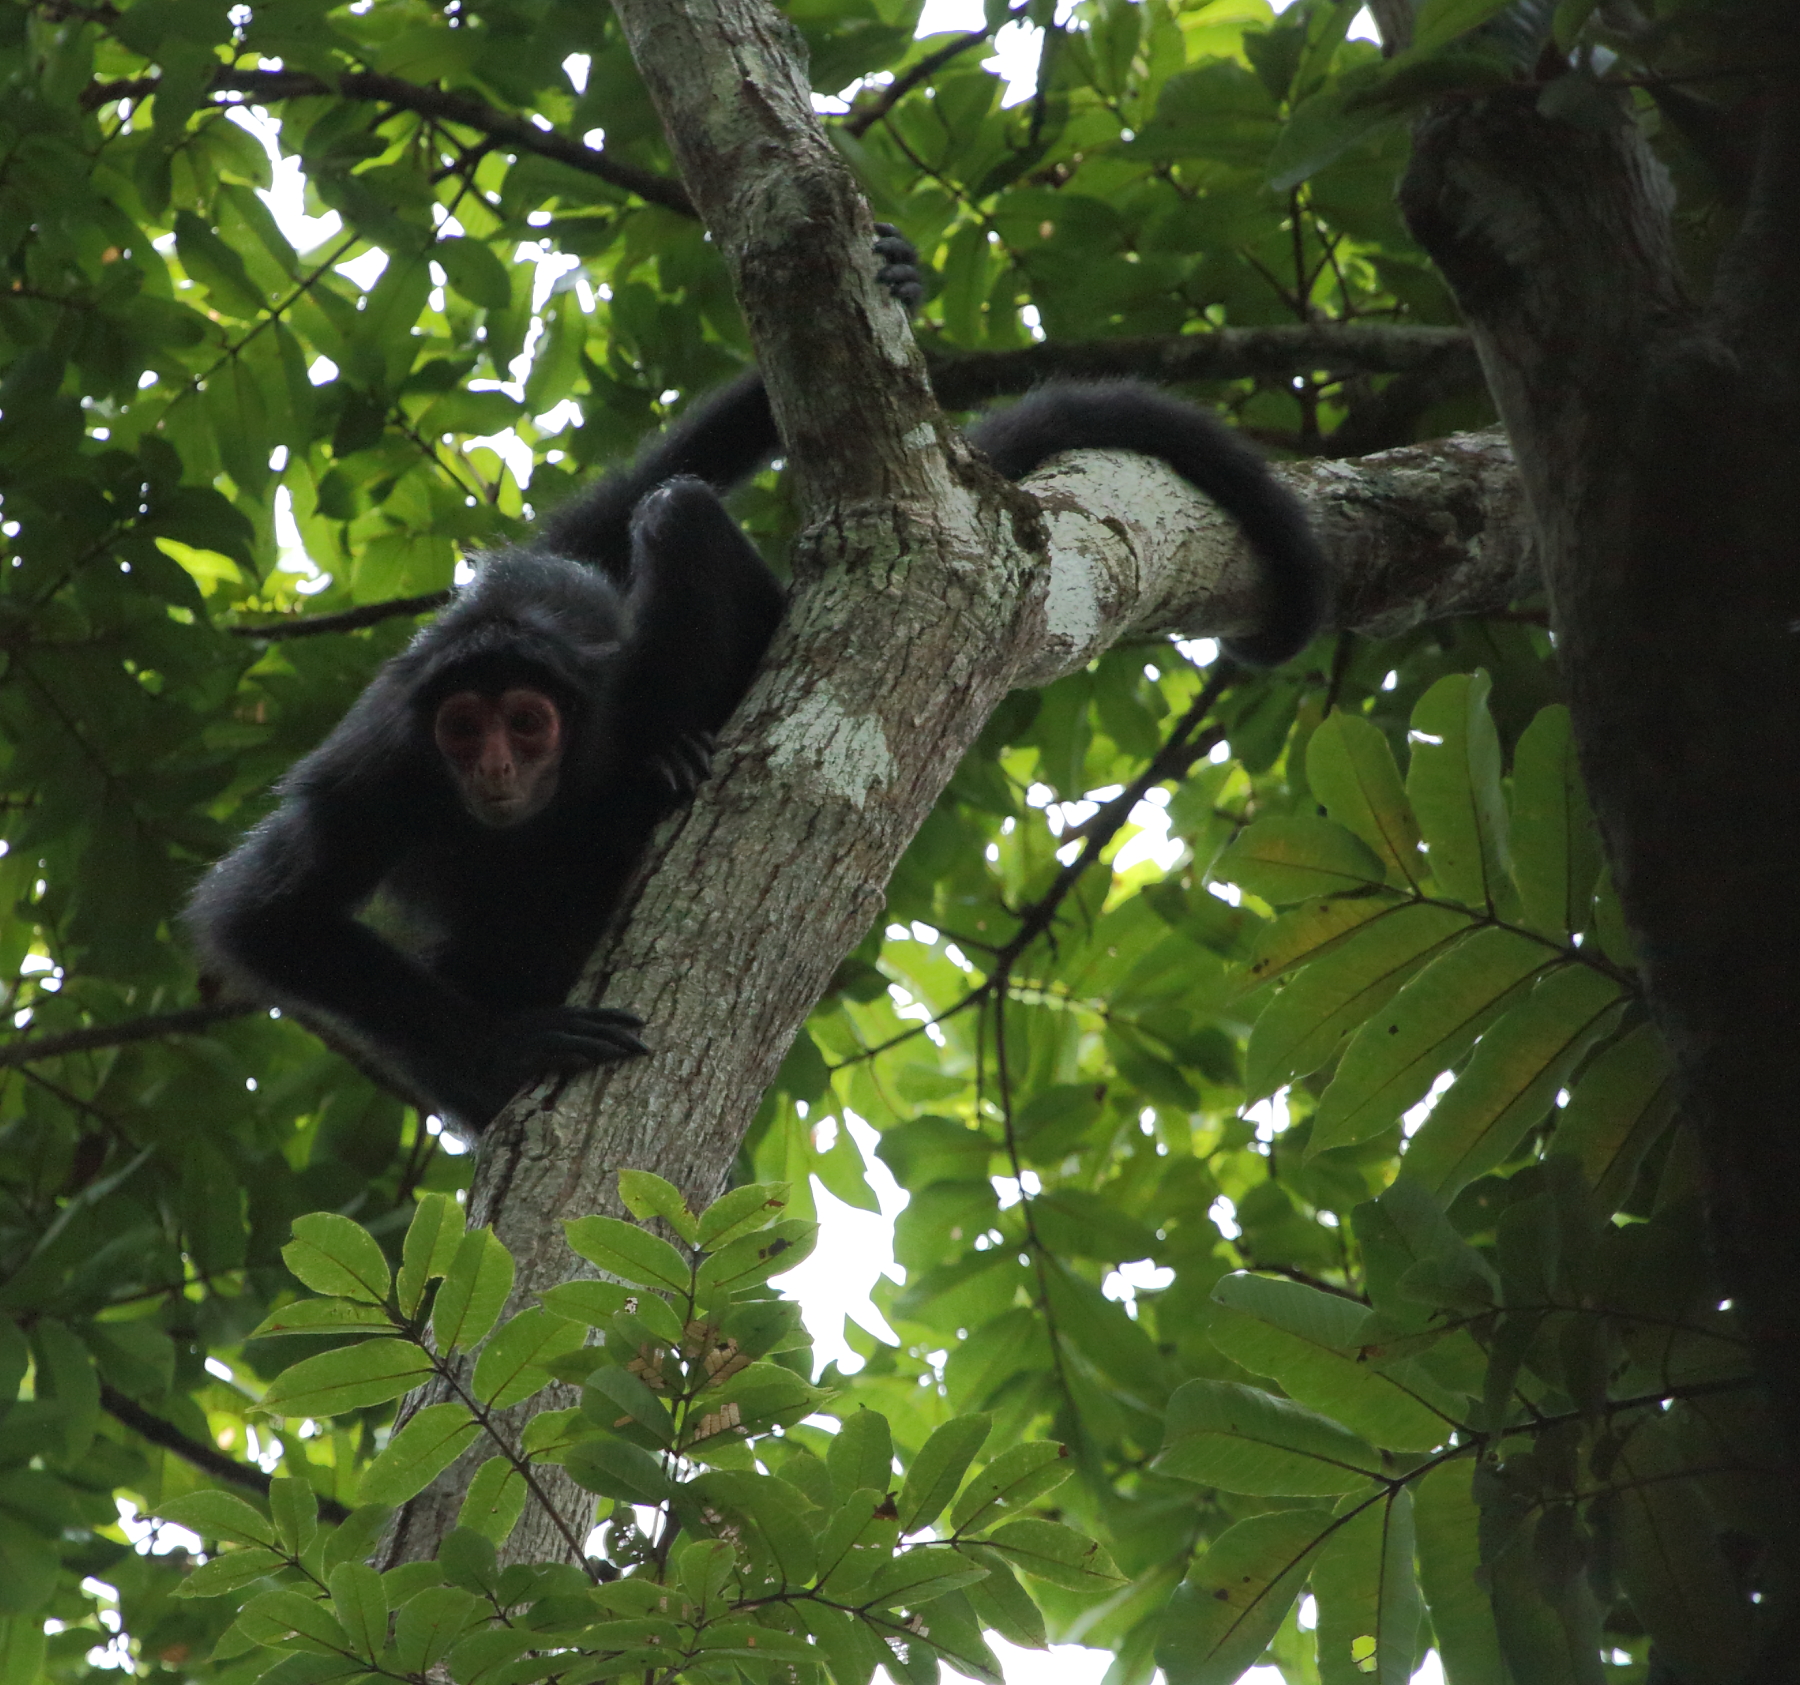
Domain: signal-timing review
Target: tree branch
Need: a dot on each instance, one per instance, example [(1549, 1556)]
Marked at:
[(966, 378), (29, 1049), (862, 118), (207, 1458), (345, 620), (267, 87)]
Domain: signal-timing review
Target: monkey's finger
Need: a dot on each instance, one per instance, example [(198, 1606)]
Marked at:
[(696, 759), (570, 1050), (610, 1015)]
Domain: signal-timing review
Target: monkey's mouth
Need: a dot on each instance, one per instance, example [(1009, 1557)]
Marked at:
[(501, 810)]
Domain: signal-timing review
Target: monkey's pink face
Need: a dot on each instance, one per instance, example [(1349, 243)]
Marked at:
[(504, 752)]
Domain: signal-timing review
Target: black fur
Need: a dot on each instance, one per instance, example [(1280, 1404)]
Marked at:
[(643, 611), (1123, 415)]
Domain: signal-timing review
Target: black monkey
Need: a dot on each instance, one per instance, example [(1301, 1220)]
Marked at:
[(494, 786)]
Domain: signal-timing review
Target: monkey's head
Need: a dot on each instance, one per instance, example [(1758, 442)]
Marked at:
[(503, 750)]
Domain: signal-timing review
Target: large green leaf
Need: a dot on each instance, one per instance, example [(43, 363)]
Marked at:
[(1424, 1030), (1224, 1613), (1245, 1440)]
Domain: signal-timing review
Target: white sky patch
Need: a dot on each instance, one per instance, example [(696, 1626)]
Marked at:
[(1411, 1121), (286, 199), (854, 1248)]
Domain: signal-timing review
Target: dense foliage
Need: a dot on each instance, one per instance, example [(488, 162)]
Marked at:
[(1193, 1192)]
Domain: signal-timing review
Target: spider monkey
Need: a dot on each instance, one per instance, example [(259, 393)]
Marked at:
[(496, 783)]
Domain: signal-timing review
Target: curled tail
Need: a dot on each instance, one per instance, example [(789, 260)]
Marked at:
[(1123, 415)]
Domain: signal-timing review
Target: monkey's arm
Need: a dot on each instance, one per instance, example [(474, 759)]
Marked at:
[(1122, 415), (723, 439), (702, 607), (276, 918)]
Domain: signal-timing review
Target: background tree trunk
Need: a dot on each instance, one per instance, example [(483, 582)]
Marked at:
[(1657, 447)]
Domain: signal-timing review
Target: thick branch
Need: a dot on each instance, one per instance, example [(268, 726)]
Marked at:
[(29, 1049), (207, 1458), (269, 87), (966, 378), (345, 620)]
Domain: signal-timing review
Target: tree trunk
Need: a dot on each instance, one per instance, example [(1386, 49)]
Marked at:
[(926, 590), (1657, 446)]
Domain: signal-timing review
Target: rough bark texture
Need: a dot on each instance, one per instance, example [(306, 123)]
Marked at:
[(927, 590), (1658, 450)]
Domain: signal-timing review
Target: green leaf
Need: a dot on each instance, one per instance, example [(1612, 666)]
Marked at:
[(294, 1508), (1441, 21), (1619, 1107), (858, 1540), (430, 1623), (742, 1211), (1449, 1556), (230, 1571), (1309, 1342), (1510, 1084), (1397, 1054), (1222, 1434), (647, 1195), (1571, 15), (756, 1257), (937, 1470), (475, 1291), (704, 1568), (418, 1454), (479, 1656), (510, 1368), (1224, 1613), (276, 1617), (614, 1396), (774, 1510), (1301, 1027), (1351, 769), (1453, 783), (594, 1302), (324, 1316), (1325, 126), (474, 270), (1555, 849), (630, 1253), (432, 1237), (862, 1453), (495, 1500), (1295, 857), (1368, 1594), (1309, 932), (615, 1468), (361, 1605), (355, 1538), (1670, 1560), (351, 1379), (335, 1256), (916, 1575), (1002, 1604), (1019, 1474), (218, 1515), (1047, 1550)]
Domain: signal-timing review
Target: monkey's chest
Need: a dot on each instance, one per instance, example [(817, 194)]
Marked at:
[(505, 916)]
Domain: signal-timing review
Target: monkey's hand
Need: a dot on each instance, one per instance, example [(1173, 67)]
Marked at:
[(899, 268), (685, 765), (560, 1039)]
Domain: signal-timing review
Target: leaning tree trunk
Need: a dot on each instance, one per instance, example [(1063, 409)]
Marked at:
[(1657, 443), (926, 589)]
